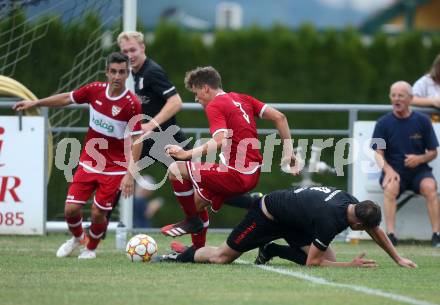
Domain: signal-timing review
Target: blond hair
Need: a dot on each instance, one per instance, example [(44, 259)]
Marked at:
[(138, 36)]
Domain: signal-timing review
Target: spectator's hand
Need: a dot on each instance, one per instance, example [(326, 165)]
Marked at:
[(24, 105), (127, 185), (359, 261), (412, 161), (153, 206), (177, 152), (391, 176), (404, 262)]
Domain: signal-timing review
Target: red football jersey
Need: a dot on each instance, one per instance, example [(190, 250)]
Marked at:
[(103, 150), (235, 113)]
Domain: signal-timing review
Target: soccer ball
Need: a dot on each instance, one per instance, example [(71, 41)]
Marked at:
[(141, 248)]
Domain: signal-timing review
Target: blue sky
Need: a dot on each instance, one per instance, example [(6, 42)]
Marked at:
[(322, 13)]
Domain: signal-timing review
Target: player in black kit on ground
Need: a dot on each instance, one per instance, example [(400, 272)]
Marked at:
[(307, 219)]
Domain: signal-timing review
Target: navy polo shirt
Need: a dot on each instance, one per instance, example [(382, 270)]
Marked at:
[(412, 135)]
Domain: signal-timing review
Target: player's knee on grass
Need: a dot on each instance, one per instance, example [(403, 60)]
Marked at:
[(224, 255), (221, 259), (330, 255)]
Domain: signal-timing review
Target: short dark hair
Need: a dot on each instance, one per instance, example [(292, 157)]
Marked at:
[(368, 213), (203, 76), (117, 57)]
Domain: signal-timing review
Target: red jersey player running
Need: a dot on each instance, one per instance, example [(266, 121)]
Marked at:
[(232, 124), (103, 164)]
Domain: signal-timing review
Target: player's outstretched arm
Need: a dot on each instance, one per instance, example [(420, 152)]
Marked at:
[(170, 109), (404, 262), (379, 236), (317, 257), (177, 152), (57, 100), (289, 163), (211, 146), (24, 105)]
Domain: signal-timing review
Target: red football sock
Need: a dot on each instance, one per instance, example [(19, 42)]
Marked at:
[(199, 239), (95, 233), (185, 195), (75, 225)]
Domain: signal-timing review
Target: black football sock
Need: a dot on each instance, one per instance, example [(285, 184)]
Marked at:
[(187, 256), (296, 255), (244, 201)]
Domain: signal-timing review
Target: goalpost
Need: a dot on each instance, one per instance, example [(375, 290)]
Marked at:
[(129, 24)]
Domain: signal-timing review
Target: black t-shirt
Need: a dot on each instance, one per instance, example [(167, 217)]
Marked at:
[(319, 212), (153, 88)]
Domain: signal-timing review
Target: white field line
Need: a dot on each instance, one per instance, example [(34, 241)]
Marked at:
[(54, 250), (434, 253), (323, 281), (100, 250)]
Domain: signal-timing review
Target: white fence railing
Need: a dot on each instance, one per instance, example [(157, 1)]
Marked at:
[(352, 111)]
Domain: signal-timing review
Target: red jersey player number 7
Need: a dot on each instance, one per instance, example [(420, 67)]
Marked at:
[(232, 123)]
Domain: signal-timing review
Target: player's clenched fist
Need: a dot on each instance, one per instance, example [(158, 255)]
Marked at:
[(176, 151)]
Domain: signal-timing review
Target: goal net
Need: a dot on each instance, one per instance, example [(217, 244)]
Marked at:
[(26, 30), (25, 23)]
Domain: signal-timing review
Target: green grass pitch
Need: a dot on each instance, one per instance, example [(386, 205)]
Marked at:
[(31, 274)]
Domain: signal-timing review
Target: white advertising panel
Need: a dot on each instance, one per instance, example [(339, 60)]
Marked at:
[(412, 221), (22, 175)]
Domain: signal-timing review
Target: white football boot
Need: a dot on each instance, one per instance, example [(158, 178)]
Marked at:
[(87, 254), (69, 246)]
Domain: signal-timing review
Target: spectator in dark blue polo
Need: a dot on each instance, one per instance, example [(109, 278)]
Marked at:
[(410, 144)]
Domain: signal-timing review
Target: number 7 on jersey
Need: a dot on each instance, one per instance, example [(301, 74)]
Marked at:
[(245, 115)]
